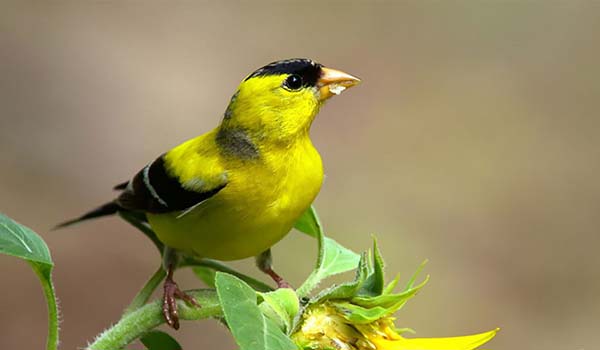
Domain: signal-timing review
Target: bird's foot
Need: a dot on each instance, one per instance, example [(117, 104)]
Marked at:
[(264, 263), (284, 284), (169, 307), (281, 283)]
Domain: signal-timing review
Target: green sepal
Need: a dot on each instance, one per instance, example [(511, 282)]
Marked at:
[(360, 315), (389, 301), (367, 298), (392, 285), (346, 290), (367, 309), (375, 282), (413, 278), (405, 330), (369, 279)]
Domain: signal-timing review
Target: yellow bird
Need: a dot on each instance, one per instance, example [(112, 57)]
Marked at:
[(235, 191)]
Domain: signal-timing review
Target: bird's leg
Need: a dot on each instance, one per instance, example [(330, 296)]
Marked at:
[(264, 262), (171, 291)]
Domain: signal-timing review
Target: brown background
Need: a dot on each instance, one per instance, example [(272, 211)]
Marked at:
[(473, 142)]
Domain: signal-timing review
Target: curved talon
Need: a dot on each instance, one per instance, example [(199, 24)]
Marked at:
[(169, 307), (186, 297)]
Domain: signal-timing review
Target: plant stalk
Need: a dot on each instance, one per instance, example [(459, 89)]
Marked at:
[(145, 293), (134, 324), (48, 288)]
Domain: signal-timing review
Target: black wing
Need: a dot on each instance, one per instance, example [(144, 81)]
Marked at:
[(154, 190)]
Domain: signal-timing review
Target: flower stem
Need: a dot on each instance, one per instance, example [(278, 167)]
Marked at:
[(44, 274), (134, 324), (145, 293)]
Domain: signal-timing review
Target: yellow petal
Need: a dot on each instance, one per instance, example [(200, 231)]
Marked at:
[(467, 342)]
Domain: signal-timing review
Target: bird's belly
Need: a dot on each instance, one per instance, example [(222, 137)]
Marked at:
[(236, 223)]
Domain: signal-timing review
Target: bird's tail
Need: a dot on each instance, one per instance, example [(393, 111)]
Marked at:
[(109, 208)]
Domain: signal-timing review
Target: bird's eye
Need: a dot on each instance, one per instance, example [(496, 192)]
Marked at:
[(293, 82)]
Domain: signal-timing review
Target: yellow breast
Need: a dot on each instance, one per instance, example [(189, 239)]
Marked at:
[(258, 207)]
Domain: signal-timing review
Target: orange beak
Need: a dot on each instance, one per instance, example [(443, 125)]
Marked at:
[(334, 82)]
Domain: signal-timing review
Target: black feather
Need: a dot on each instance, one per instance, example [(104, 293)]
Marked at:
[(109, 208), (309, 70), (152, 190), (155, 190), (121, 186)]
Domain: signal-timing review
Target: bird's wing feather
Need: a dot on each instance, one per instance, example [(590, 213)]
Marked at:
[(121, 186), (155, 190)]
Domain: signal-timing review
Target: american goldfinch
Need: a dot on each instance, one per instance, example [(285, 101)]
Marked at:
[(235, 191)]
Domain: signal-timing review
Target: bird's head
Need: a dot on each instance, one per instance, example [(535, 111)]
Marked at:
[(279, 101)]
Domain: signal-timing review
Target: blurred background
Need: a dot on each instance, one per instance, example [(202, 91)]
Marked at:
[(473, 142)]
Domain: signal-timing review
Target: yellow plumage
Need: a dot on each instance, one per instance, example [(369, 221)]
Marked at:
[(262, 199), (264, 195), (237, 190)]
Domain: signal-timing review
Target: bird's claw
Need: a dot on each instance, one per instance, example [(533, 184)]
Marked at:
[(283, 284), (169, 306)]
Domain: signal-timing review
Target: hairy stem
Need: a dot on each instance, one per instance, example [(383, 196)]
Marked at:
[(44, 272), (134, 324), (314, 278)]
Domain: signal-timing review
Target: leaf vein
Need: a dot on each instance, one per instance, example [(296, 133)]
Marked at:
[(18, 237)]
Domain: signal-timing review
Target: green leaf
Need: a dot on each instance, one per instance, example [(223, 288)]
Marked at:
[(251, 329), (158, 340), (206, 275), (309, 223), (21, 242), (18, 240), (337, 259), (333, 259), (284, 305)]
